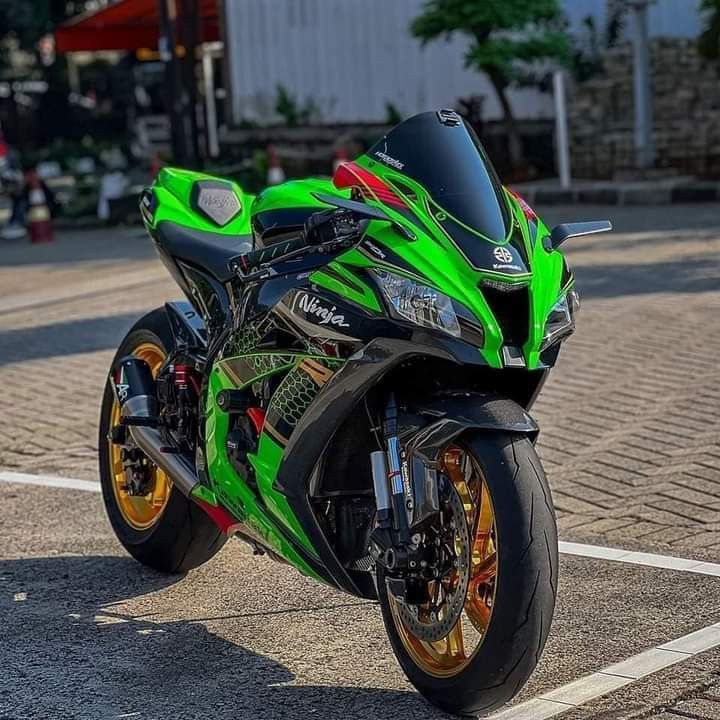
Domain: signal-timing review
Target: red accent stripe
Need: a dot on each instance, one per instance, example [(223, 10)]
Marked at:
[(181, 376), (528, 212), (350, 174), (219, 515), (257, 418)]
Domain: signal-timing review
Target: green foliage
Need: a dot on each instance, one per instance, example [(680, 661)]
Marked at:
[(29, 20), (589, 50), (392, 115), (506, 35), (292, 111), (709, 40)]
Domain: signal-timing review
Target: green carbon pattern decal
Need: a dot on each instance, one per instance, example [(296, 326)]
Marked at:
[(295, 393)]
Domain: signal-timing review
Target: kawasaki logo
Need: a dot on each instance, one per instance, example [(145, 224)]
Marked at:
[(325, 315), (389, 160)]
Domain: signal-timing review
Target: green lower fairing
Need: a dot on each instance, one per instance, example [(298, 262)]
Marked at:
[(266, 513)]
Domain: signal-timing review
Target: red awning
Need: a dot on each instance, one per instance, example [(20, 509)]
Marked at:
[(127, 25)]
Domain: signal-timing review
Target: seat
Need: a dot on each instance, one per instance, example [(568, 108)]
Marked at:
[(206, 250)]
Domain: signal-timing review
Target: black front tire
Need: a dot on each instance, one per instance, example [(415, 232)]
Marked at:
[(526, 583), (183, 537)]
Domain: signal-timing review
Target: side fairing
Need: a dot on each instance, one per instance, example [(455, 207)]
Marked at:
[(300, 343), (251, 357)]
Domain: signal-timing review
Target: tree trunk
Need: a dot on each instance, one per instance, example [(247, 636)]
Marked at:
[(514, 141)]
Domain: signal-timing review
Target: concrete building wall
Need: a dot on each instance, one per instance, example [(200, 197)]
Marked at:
[(667, 18), (686, 108), (352, 57), (353, 72)]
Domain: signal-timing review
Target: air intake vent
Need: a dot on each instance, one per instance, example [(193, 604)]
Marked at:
[(511, 308)]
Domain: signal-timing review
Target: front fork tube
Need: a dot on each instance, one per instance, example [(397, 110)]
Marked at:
[(388, 483), (400, 518)]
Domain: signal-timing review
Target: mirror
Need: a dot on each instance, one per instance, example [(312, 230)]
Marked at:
[(560, 233)]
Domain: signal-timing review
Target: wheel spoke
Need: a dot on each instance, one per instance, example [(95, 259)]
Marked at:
[(455, 643), (448, 656), (486, 570)]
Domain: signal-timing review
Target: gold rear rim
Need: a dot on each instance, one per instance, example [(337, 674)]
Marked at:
[(450, 655), (139, 511)]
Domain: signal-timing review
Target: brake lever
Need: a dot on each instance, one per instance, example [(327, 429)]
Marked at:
[(365, 213), (337, 242)]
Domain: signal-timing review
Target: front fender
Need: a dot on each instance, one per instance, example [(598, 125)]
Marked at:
[(450, 415)]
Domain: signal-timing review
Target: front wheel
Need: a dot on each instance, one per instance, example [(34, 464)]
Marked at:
[(506, 579)]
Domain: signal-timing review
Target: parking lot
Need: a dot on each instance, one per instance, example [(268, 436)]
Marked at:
[(630, 439)]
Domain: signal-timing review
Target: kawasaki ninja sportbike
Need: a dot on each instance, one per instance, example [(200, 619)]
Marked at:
[(347, 391)]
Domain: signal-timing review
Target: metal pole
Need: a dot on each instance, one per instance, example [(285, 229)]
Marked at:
[(73, 73), (210, 106), (562, 142), (167, 11), (191, 32), (644, 143)]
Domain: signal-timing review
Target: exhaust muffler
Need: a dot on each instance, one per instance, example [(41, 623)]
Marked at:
[(135, 392)]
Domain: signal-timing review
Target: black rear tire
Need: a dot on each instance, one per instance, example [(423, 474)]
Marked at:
[(526, 583), (183, 537)]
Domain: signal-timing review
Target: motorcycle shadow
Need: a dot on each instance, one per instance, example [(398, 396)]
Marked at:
[(72, 650)]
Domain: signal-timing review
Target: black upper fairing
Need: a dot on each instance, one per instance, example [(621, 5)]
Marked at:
[(442, 153), (509, 258)]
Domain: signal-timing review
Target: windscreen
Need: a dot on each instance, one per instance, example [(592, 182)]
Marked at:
[(443, 154)]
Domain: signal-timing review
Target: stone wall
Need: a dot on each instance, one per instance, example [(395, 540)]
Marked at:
[(686, 96)]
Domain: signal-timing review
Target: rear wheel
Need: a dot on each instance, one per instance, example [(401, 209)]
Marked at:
[(161, 528), (506, 579)]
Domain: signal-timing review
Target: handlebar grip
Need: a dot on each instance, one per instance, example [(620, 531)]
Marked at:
[(254, 259)]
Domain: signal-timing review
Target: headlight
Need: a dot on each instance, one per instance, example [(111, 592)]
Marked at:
[(419, 304), (560, 322)]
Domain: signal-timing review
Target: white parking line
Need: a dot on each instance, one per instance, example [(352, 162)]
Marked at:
[(579, 692), (599, 552), (667, 562), (50, 481)]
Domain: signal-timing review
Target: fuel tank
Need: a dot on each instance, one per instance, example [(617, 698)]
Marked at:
[(280, 211)]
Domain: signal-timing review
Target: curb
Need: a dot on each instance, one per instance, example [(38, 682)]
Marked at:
[(91, 223), (686, 194)]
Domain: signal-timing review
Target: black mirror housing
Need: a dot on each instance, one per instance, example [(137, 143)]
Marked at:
[(560, 233)]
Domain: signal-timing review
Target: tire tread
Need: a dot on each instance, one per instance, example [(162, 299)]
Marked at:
[(527, 582)]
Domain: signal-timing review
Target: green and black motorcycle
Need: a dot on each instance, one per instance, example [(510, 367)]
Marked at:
[(347, 390)]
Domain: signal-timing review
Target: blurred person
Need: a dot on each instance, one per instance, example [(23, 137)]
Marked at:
[(40, 206), (33, 203)]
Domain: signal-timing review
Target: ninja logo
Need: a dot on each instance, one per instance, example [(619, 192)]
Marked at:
[(325, 316)]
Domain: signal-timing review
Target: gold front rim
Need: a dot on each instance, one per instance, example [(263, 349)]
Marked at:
[(450, 655), (139, 511)]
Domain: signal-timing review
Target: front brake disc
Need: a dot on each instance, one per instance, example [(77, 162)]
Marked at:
[(431, 622)]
